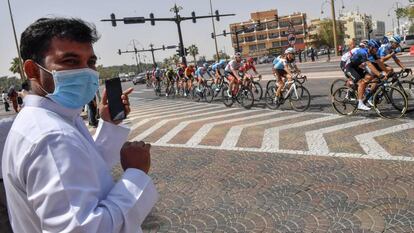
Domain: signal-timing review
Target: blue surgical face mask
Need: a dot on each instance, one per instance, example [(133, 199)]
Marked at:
[(73, 88)]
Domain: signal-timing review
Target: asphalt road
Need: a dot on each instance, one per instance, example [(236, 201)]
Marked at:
[(322, 65)]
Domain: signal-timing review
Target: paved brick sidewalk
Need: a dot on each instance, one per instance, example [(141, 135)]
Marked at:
[(222, 191)]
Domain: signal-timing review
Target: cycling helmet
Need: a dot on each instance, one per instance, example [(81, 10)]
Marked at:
[(363, 43), (374, 43), (290, 50), (395, 39), (222, 62), (250, 60), (237, 55), (205, 65)]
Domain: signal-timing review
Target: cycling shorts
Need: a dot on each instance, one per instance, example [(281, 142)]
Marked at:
[(280, 72), (378, 67), (229, 73), (355, 73)]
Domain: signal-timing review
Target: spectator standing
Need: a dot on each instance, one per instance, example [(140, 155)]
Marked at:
[(12, 95), (5, 100)]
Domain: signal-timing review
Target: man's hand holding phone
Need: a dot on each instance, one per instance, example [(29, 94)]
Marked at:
[(104, 106)]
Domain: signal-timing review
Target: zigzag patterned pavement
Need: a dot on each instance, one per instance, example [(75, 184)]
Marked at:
[(213, 126), (224, 169)]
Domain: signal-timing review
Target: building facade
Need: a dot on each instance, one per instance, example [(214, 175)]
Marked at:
[(360, 26), (270, 36)]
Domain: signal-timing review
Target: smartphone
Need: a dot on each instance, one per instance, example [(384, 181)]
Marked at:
[(114, 92)]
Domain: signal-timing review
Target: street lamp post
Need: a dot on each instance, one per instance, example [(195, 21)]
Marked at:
[(334, 28), (17, 44), (214, 31)]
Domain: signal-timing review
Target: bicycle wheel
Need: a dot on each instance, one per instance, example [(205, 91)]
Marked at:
[(407, 87), (270, 96), (337, 83), (245, 97), (257, 90), (269, 83), (227, 100), (208, 94), (196, 95), (300, 99), (344, 101), (390, 102)]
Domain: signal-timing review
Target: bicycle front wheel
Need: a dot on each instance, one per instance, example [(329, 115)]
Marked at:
[(390, 102), (344, 101), (246, 98), (300, 99), (407, 88), (257, 90)]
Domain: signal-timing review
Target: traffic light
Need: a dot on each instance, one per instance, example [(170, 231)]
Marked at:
[(217, 15), (113, 20), (224, 33), (185, 51), (163, 47), (152, 19), (193, 16), (212, 35), (131, 20)]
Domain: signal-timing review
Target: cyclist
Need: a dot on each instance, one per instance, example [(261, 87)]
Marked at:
[(389, 50), (231, 72), (188, 78), (249, 65), (347, 56), (171, 79), (362, 71), (199, 74), (181, 77), (283, 67), (218, 70)]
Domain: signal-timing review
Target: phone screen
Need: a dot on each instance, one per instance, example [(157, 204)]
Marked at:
[(114, 92)]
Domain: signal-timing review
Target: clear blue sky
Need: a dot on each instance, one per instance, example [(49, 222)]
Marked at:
[(27, 11)]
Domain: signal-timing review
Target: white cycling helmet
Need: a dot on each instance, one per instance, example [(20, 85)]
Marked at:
[(395, 39), (237, 55), (290, 50)]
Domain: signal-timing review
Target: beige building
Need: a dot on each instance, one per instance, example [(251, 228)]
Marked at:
[(357, 26), (271, 36), (314, 28)]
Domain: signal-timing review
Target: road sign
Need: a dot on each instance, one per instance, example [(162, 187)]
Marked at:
[(292, 39)]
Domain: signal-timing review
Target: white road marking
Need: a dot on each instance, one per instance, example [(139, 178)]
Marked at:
[(205, 129), (158, 125), (372, 147), (232, 137), (317, 143), (173, 132), (271, 136)]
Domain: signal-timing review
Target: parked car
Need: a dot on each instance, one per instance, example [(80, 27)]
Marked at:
[(124, 79), (407, 42), (140, 78), (262, 60)]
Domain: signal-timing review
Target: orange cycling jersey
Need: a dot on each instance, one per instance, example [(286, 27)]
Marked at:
[(189, 71)]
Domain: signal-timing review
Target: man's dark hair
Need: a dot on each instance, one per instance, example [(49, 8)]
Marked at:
[(26, 86), (35, 40)]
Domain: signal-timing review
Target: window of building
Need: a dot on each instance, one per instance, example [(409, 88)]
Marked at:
[(273, 35), (262, 37), (283, 33), (261, 46), (276, 44), (252, 47), (285, 42), (283, 24), (261, 27), (297, 21), (249, 38), (272, 25), (299, 31), (248, 29)]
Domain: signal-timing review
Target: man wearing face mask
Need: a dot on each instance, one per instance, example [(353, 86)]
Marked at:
[(56, 175)]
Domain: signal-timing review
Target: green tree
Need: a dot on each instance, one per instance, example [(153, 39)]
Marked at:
[(325, 34), (221, 56), (193, 50), (15, 66), (175, 58)]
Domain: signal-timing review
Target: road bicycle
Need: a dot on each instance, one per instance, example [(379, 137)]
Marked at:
[(241, 94), (254, 86), (217, 88), (388, 101), (294, 91)]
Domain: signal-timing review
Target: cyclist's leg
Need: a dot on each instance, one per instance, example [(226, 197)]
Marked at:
[(280, 74)]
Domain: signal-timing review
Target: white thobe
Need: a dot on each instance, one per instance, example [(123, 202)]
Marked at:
[(58, 178)]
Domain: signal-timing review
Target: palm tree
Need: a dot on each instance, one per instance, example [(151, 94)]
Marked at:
[(193, 50), (175, 58), (15, 66)]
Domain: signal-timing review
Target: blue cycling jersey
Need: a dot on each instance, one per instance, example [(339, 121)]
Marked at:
[(359, 56), (200, 72), (217, 66), (384, 50), (279, 63)]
